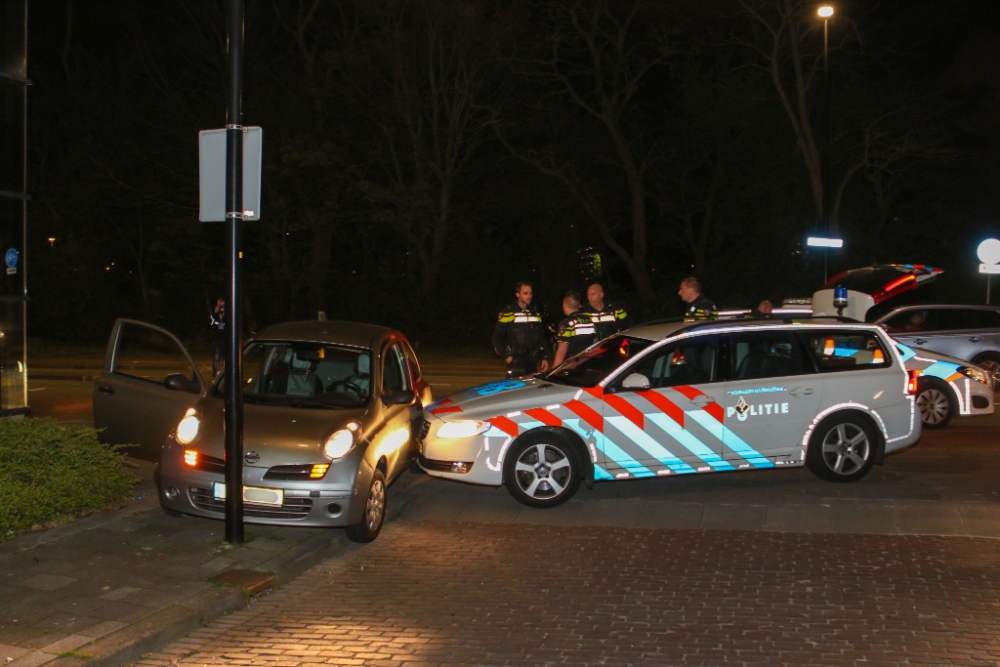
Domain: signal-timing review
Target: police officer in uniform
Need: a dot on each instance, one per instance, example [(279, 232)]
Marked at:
[(700, 307), (519, 336), (576, 331), (608, 319)]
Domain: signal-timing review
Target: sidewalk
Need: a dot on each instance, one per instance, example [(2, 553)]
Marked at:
[(110, 587)]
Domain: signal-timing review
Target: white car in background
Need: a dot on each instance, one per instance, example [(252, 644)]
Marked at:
[(683, 398), (948, 387)]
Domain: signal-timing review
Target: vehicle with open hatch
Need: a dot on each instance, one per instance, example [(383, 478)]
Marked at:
[(683, 398), (331, 415)]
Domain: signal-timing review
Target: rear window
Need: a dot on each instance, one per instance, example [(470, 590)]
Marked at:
[(839, 350)]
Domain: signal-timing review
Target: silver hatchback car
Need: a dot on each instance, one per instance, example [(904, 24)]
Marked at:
[(332, 411)]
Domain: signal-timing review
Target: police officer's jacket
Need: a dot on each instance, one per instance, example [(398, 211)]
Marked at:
[(609, 321), (578, 331), (701, 308), (519, 333)]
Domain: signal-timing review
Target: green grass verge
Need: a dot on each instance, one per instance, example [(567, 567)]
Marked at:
[(49, 472)]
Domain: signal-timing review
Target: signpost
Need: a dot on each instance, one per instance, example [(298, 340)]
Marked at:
[(989, 254)]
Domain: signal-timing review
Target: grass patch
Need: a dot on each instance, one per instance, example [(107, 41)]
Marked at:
[(49, 472)]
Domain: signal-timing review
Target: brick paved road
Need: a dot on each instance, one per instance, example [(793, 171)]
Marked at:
[(434, 593)]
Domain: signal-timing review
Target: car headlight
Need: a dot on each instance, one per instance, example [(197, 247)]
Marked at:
[(341, 441), (462, 429), (187, 429), (976, 373)]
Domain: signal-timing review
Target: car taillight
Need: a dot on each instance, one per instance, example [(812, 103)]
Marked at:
[(911, 382)]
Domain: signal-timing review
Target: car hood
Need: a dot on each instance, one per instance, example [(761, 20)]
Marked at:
[(501, 398), (280, 435)]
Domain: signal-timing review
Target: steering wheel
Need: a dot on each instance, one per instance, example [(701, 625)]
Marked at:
[(341, 385)]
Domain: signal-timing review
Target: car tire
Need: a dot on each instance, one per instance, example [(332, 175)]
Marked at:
[(542, 469), (936, 403), (374, 514), (842, 448), (990, 361)]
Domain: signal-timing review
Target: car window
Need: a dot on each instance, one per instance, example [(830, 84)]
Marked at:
[(690, 361), (766, 354), (394, 375), (148, 354), (302, 373), (840, 350), (411, 361), (908, 320), (592, 366)]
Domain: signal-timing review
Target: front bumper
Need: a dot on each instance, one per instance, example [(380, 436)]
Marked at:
[(481, 457), (335, 502)]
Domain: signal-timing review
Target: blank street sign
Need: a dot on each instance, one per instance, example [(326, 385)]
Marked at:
[(212, 174)]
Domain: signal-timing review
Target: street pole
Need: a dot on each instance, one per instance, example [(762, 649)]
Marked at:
[(234, 223), (826, 139)]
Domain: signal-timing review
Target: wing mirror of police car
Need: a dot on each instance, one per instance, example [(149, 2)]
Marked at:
[(636, 381), (403, 397), (178, 382)]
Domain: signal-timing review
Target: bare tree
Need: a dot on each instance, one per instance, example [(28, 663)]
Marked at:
[(600, 54)]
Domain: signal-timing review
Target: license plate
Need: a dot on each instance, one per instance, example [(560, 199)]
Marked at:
[(254, 495)]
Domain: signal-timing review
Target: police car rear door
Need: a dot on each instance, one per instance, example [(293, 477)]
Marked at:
[(671, 425), (770, 397)]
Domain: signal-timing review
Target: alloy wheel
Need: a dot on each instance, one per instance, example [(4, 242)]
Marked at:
[(543, 471), (846, 449)]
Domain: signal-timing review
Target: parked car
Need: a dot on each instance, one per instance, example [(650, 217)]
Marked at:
[(960, 331), (684, 398), (331, 414), (948, 387)]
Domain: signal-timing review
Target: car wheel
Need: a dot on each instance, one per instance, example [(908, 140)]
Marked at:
[(936, 404), (542, 470), (842, 448), (991, 362), (374, 516)]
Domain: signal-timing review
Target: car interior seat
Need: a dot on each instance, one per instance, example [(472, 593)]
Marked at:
[(302, 377)]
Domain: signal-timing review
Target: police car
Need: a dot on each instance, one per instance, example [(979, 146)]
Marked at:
[(948, 387), (683, 398)]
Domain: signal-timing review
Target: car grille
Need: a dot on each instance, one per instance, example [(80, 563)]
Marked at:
[(293, 508), (444, 466), (211, 464), (297, 472)]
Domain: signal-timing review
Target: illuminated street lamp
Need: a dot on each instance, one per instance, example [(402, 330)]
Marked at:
[(825, 12)]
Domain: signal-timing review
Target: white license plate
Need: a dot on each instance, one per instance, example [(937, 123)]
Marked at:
[(254, 495)]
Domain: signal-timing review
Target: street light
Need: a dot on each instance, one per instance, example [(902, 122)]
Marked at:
[(825, 12)]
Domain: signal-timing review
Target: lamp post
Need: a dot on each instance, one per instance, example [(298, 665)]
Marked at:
[(825, 12)]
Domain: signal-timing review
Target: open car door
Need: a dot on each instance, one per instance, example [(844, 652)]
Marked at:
[(146, 385)]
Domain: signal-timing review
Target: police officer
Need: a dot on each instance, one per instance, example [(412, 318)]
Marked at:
[(762, 311), (576, 330), (608, 319), (700, 307), (519, 336), (218, 340)]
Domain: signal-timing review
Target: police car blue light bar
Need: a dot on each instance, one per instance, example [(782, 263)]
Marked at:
[(822, 242)]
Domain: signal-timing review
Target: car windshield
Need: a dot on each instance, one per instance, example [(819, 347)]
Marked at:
[(308, 375), (591, 366)]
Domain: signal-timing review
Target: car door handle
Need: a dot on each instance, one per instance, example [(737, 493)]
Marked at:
[(702, 401), (975, 339), (920, 341), (104, 389), (801, 391)]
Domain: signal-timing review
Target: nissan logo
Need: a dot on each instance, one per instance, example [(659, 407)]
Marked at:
[(251, 457)]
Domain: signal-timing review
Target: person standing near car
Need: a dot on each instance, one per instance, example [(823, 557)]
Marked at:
[(576, 331), (700, 307), (519, 336), (218, 341), (608, 319)]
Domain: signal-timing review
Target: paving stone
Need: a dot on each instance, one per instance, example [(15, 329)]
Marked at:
[(33, 659), (47, 582), (120, 593), (68, 643), (662, 514), (8, 651), (103, 628), (733, 517)]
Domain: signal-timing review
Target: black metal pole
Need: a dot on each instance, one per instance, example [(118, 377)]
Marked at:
[(234, 223), (826, 140)]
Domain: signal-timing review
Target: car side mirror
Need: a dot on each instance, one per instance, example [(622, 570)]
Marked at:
[(636, 381), (402, 397), (178, 382)]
